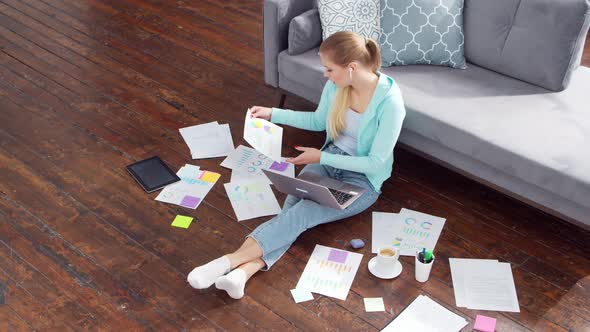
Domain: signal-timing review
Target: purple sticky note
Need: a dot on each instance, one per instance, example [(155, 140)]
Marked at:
[(484, 323), (281, 167), (190, 201), (337, 256)]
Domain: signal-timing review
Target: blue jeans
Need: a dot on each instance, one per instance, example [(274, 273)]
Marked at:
[(276, 235)]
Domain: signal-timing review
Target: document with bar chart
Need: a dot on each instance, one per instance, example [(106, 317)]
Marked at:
[(330, 272)]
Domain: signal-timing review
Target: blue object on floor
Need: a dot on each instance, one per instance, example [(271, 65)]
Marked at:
[(357, 243)]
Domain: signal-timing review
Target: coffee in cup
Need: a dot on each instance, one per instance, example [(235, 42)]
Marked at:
[(386, 252), (387, 258)]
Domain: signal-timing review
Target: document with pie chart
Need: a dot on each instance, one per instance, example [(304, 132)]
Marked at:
[(264, 136), (252, 200), (409, 230)]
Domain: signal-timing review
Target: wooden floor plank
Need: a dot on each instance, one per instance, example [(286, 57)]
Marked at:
[(76, 272), (151, 241), (10, 321)]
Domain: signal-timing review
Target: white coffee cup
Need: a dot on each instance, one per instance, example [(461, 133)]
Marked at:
[(387, 257)]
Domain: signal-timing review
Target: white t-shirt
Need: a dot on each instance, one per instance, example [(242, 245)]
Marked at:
[(348, 138)]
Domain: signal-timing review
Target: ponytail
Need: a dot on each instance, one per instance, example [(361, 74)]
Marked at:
[(374, 61)]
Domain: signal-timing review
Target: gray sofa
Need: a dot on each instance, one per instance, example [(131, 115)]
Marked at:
[(520, 138)]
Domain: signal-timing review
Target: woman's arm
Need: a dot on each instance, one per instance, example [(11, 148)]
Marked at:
[(388, 132), (314, 121)]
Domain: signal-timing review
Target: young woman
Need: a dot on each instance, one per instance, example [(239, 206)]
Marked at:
[(362, 111)]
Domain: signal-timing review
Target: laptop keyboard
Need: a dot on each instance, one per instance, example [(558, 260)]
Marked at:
[(341, 196)]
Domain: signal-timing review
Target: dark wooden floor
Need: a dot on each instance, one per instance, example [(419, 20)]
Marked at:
[(87, 87)]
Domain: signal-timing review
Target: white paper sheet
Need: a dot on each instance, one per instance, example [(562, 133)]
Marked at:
[(265, 136), (374, 304), (252, 200), (483, 284), (330, 272), (491, 287), (426, 315), (246, 161), (208, 140), (191, 190), (459, 268), (412, 230), (241, 176), (384, 229), (301, 295)]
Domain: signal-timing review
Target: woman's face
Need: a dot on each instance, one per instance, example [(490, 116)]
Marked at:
[(335, 73)]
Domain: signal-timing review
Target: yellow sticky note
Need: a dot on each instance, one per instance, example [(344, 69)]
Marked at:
[(210, 177), (182, 221)]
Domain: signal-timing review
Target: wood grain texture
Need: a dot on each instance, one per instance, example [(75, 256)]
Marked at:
[(87, 87)]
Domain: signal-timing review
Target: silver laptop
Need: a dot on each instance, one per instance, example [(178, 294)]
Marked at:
[(320, 189)]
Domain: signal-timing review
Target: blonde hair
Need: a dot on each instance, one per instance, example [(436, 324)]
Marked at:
[(343, 48)]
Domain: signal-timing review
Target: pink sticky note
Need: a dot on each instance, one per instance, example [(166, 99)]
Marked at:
[(484, 323)]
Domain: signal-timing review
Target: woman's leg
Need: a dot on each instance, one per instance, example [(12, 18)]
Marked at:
[(276, 235), (205, 275), (250, 250)]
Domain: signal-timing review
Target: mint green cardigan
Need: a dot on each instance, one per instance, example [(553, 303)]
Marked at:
[(379, 130)]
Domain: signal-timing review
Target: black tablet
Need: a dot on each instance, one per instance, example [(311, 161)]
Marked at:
[(152, 174)]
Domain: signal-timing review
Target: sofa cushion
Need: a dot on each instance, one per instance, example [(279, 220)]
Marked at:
[(360, 16), (519, 129), (305, 32), (422, 32), (537, 41)]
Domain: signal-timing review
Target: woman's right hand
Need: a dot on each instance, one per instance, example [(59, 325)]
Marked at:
[(261, 112)]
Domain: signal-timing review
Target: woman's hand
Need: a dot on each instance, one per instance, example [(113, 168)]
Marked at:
[(309, 156), (261, 112)]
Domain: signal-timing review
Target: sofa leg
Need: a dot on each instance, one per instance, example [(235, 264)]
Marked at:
[(282, 102)]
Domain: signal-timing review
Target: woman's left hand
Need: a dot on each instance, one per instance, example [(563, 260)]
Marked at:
[(309, 156)]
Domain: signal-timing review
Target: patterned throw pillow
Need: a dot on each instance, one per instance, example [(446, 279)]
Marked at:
[(360, 16), (422, 32)]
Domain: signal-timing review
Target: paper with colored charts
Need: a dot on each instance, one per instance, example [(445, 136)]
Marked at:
[(247, 162), (195, 184), (264, 136), (410, 230), (243, 176), (252, 200), (330, 272)]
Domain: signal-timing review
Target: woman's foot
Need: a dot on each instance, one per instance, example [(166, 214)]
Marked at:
[(233, 283), (205, 275)]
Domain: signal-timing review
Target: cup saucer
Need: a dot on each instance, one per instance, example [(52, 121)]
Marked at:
[(388, 275)]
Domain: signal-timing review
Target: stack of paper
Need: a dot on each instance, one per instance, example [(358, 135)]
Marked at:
[(330, 272), (425, 315), (252, 200), (483, 284), (208, 140), (191, 190), (411, 230)]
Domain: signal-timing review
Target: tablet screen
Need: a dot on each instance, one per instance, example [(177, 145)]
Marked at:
[(152, 174)]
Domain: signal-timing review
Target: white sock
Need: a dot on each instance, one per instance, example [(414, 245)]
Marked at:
[(205, 275), (233, 283)]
